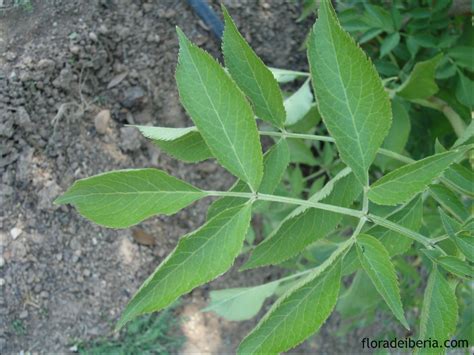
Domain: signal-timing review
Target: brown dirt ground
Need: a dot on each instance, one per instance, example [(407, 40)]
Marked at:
[(63, 277)]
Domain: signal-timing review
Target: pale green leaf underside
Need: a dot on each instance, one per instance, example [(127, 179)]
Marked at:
[(198, 258), (439, 312), (376, 262), (275, 162), (251, 74), (304, 226), (352, 101), (237, 304), (285, 75), (401, 184), (421, 82), (220, 111), (298, 104), (296, 315), (182, 143), (123, 198)]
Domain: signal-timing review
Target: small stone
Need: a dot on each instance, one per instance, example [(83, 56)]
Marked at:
[(103, 30), (23, 314), (130, 139), (2, 282), (86, 273), (10, 56), (93, 37), (46, 64), (153, 38), (75, 49), (94, 241), (15, 232), (2, 261), (101, 121), (134, 97), (44, 294)]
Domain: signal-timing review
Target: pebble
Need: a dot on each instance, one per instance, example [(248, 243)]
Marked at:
[(101, 121), (23, 314), (75, 49), (44, 294), (2, 282), (2, 261), (93, 37), (15, 232), (134, 97), (10, 56)]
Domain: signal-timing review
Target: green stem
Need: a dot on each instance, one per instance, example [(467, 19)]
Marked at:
[(427, 242), (288, 200), (454, 119), (382, 151)]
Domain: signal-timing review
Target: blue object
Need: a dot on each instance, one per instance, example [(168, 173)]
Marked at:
[(205, 12)]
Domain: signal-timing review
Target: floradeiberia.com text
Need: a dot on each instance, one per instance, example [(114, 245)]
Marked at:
[(409, 343)]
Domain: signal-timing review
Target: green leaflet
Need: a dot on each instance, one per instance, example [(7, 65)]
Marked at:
[(460, 178), (182, 143), (456, 266), (305, 225), (403, 183), (251, 74), (300, 152), (376, 262), (465, 90), (439, 313), (238, 304), (465, 242), (285, 76), (421, 82), (297, 314), (220, 111), (467, 137), (298, 104), (410, 216), (389, 43), (462, 55), (123, 198), (352, 101), (397, 136), (198, 258), (275, 162), (449, 201)]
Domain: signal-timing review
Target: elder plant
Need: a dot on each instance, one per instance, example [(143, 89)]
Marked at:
[(383, 213)]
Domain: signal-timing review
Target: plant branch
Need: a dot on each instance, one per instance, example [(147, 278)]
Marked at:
[(288, 200), (382, 151), (453, 117)]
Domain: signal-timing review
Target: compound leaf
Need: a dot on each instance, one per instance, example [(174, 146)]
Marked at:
[(239, 304), (305, 225), (123, 198), (251, 74), (297, 314), (352, 101), (401, 184), (421, 82), (198, 258), (275, 162), (376, 262), (439, 312), (182, 143), (220, 111)]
